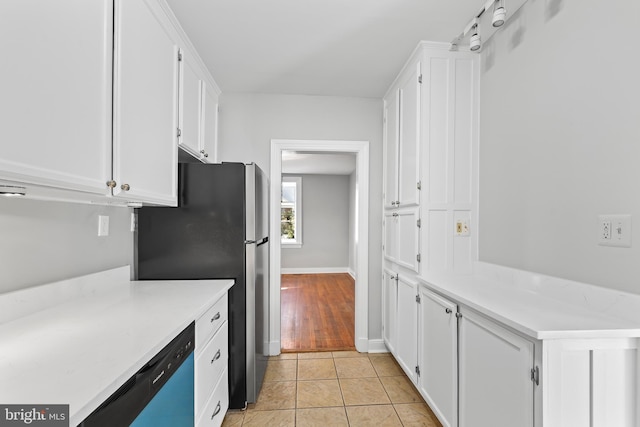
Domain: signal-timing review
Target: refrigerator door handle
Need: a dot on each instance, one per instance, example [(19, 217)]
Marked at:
[(249, 242)]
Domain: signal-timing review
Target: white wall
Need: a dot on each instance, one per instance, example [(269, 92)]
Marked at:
[(560, 140), (325, 225), (43, 242), (248, 122), (352, 223)]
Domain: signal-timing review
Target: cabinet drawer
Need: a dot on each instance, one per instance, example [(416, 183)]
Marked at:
[(216, 408), (210, 362), (209, 323)]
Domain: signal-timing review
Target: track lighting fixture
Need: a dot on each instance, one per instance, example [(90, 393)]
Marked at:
[(475, 42), (12, 191), (499, 13)]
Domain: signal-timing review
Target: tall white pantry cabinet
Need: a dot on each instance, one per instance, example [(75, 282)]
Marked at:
[(95, 99), (453, 356)]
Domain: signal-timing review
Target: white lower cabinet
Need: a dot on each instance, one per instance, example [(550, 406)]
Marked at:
[(390, 309), (471, 371), (407, 327), (496, 387), (211, 389), (438, 355)]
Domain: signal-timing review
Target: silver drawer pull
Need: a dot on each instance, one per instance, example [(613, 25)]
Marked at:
[(217, 410), (447, 310), (216, 317), (216, 357)]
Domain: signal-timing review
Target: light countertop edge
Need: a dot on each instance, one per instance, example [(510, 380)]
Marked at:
[(539, 313), (82, 349)]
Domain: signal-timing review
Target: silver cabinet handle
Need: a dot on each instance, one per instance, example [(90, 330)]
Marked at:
[(217, 410), (111, 184), (216, 357), (447, 310), (201, 151), (125, 187), (216, 317), (459, 315), (206, 154)]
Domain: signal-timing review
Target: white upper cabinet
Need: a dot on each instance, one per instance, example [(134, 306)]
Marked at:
[(408, 155), (402, 141), (191, 92), (55, 86), (391, 136), (146, 102), (209, 137), (401, 238)]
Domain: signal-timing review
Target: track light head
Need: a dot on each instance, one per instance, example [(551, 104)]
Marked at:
[(475, 42), (499, 14)]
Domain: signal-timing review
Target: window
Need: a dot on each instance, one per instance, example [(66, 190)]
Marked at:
[(290, 211)]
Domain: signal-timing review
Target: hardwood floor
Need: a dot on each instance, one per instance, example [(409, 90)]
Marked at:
[(317, 312)]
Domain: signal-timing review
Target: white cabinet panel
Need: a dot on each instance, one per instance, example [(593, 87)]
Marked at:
[(210, 124), (495, 365), (390, 309), (407, 327), (145, 97), (391, 135), (55, 85), (591, 382), (438, 356), (408, 156), (191, 92), (401, 238)]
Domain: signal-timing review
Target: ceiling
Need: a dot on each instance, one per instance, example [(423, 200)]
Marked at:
[(349, 48), (300, 162)]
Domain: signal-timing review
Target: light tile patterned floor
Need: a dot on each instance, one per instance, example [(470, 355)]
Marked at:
[(344, 388)]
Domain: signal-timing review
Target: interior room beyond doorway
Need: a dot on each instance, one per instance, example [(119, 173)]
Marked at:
[(318, 312)]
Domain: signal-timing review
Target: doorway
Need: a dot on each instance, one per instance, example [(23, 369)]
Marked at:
[(361, 151)]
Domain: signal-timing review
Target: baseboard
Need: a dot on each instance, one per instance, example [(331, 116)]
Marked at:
[(274, 348), (352, 274), (377, 346), (320, 270)]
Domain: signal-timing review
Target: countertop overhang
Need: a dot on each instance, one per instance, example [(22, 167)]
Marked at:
[(76, 342), (542, 307)]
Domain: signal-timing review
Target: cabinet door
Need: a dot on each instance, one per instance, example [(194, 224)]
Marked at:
[(210, 124), (407, 326), (146, 101), (191, 94), (389, 309), (409, 127), (407, 238), (55, 86), (391, 235), (438, 356), (391, 135), (495, 375)]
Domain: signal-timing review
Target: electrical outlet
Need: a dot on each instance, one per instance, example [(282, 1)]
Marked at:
[(614, 230), (462, 227)]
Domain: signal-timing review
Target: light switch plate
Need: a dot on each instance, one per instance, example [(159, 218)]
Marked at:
[(103, 225)]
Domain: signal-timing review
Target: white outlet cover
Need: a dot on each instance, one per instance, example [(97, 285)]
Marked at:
[(619, 232)]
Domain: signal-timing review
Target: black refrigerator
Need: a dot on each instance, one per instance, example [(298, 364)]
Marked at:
[(220, 230)]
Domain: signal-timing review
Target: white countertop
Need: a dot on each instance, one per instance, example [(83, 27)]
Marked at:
[(543, 307), (91, 336)]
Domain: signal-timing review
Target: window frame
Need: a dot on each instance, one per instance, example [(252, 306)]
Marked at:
[(297, 242)]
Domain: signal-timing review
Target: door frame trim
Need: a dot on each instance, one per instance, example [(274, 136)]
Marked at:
[(361, 150)]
